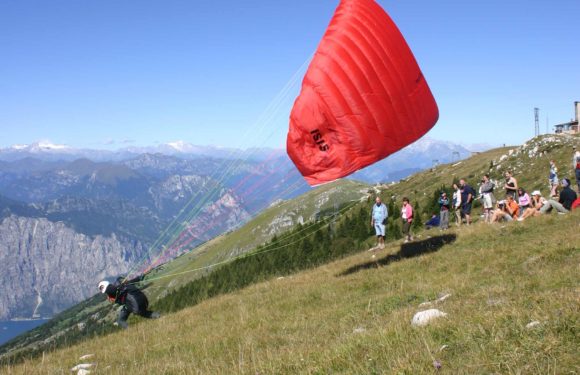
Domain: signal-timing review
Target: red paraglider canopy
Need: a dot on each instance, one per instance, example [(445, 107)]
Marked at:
[(362, 99)]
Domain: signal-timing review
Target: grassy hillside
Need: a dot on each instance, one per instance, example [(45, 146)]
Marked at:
[(353, 315), (266, 346), (93, 316)]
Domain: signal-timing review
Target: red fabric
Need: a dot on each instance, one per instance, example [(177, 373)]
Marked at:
[(576, 204), (362, 99)]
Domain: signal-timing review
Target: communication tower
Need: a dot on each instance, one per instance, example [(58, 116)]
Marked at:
[(537, 121)]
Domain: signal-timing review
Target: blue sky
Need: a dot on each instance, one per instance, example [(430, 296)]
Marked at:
[(107, 74)]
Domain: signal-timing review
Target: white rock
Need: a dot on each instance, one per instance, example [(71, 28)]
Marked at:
[(86, 356), (359, 330), (532, 324), (425, 304), (83, 372), (424, 317), (82, 366)]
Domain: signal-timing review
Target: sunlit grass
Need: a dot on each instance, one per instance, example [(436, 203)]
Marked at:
[(353, 316)]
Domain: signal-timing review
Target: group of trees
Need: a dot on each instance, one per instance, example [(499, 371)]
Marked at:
[(305, 246)]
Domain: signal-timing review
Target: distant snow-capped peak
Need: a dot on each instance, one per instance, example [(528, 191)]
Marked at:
[(40, 146), (181, 146)]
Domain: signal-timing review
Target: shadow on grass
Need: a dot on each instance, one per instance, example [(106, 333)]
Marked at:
[(408, 250)]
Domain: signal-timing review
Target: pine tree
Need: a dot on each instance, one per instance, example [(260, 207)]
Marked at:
[(417, 220)]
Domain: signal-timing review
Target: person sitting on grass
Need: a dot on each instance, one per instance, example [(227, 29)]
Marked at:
[(433, 222), (523, 200), (507, 210), (564, 203), (535, 205)]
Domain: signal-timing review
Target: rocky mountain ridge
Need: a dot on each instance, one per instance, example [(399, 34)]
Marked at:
[(47, 266)]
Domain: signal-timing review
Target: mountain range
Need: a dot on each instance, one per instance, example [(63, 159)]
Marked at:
[(72, 216)]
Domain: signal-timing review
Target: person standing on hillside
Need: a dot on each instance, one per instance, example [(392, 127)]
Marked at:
[(379, 216), (444, 211), (407, 216), (126, 294), (487, 198), (511, 184), (553, 179), (467, 195), (456, 200), (576, 167)]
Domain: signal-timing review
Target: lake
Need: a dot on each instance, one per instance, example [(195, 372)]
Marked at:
[(11, 329)]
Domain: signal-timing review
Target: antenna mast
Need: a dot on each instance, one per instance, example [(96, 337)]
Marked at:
[(537, 121)]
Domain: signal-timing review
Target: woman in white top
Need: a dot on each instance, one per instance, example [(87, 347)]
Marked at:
[(456, 201)]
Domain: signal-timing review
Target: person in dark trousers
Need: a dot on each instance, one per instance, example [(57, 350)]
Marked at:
[(467, 196), (444, 211), (126, 294), (407, 216)]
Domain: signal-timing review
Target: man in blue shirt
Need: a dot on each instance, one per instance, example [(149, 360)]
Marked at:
[(379, 220)]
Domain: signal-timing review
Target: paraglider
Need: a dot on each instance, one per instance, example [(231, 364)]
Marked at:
[(126, 294), (363, 97)]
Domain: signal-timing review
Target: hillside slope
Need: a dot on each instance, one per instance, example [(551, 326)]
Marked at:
[(280, 217), (528, 161), (353, 315), (94, 315)]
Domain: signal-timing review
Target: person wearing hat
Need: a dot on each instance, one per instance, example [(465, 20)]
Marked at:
[(126, 294), (444, 211), (536, 204), (564, 203)]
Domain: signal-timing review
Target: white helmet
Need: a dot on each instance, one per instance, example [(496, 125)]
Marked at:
[(103, 286)]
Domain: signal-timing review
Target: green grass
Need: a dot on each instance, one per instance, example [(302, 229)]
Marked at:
[(531, 172), (353, 316)]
